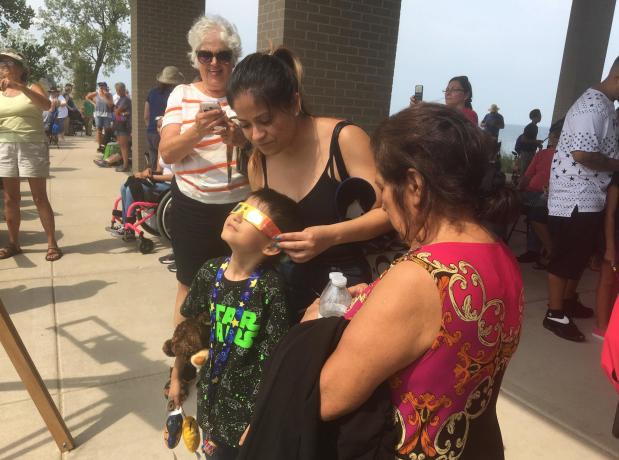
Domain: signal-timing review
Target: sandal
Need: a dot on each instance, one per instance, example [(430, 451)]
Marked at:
[(9, 250), (54, 253)]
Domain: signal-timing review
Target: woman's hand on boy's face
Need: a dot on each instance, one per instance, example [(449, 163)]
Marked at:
[(305, 245)]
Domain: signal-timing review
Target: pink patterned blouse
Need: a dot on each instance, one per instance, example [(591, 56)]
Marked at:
[(446, 400)]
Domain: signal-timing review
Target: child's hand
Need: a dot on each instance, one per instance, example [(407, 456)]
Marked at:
[(174, 394)]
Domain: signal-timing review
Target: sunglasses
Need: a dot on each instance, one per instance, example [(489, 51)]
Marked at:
[(257, 218), (206, 57)]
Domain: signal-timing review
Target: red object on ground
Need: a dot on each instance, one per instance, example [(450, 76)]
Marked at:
[(610, 349)]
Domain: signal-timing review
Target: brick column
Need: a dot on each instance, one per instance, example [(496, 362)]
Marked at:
[(158, 39), (347, 49), (586, 43)]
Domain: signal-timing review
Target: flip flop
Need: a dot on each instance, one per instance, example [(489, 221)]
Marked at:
[(10, 250), (54, 253)]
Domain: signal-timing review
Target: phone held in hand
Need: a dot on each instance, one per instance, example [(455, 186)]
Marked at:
[(206, 106), (418, 93)]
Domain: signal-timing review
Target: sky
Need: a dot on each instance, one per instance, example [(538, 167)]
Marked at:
[(511, 51)]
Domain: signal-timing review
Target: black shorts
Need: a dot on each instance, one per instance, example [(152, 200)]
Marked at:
[(196, 233), (574, 241)]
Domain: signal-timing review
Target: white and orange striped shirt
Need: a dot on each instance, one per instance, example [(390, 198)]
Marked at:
[(203, 174)]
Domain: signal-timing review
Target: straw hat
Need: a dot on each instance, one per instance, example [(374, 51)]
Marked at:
[(494, 108), (17, 57), (13, 55), (170, 75)]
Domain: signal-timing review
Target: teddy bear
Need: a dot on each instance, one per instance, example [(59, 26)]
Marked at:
[(190, 342)]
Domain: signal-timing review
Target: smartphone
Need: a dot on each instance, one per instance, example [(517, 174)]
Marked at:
[(206, 106), (419, 93)]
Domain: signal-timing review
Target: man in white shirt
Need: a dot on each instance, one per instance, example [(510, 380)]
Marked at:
[(581, 171), (60, 103)]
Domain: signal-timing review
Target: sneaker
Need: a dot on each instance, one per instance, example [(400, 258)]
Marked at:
[(101, 163), (126, 235), (167, 259), (112, 228), (172, 267), (574, 309), (598, 333), (564, 328), (528, 257)]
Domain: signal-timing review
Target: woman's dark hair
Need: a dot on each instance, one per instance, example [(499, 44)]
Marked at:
[(453, 157), (273, 78), (283, 211), (535, 113), (466, 86)]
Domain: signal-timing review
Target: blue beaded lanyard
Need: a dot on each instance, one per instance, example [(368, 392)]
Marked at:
[(217, 364)]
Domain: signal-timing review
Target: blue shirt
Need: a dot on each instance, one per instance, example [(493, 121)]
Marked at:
[(157, 101)]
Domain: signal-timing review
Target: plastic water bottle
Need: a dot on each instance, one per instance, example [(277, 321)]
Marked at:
[(335, 299)]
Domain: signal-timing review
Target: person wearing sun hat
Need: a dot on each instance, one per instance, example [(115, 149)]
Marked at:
[(23, 150), (493, 121), (155, 105)]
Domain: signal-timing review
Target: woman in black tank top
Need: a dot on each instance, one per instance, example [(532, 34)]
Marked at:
[(305, 158)]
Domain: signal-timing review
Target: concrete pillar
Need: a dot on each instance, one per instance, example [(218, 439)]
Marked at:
[(347, 49), (586, 43), (158, 39)]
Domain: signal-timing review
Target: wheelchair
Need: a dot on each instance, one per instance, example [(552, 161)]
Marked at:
[(151, 216)]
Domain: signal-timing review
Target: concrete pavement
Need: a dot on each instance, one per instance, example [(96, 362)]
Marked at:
[(94, 323)]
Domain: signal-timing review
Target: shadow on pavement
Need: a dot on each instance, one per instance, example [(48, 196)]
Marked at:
[(24, 299), (104, 344)]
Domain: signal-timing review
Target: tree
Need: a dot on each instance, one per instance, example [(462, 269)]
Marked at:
[(38, 55), (83, 76), (15, 12), (87, 33)]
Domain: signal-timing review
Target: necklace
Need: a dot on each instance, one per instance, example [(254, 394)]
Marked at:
[(218, 363)]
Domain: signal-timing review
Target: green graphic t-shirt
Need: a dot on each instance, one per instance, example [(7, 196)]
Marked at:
[(263, 324)]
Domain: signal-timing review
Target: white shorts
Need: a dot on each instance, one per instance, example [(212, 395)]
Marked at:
[(24, 159)]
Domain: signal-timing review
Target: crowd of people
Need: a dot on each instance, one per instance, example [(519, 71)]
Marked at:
[(257, 232), (433, 181)]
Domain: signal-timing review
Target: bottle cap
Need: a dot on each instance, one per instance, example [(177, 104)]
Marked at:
[(335, 275), (339, 280)]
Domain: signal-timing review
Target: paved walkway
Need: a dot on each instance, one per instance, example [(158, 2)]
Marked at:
[(94, 323)]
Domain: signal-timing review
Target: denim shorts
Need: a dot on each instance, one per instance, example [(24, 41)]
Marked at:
[(103, 122), (122, 128)]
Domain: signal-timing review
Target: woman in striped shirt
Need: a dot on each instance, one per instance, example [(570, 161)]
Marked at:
[(196, 140)]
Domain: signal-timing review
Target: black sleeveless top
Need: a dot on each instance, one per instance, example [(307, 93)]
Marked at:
[(318, 206)]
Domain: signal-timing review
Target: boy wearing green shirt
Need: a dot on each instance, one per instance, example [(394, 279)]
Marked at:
[(246, 300)]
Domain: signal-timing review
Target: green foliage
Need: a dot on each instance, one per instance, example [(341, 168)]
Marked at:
[(83, 76), (15, 12), (87, 35), (38, 55)]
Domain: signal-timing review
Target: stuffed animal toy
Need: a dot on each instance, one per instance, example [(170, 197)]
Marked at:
[(191, 337)]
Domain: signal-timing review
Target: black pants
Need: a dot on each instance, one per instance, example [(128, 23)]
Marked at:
[(196, 233)]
